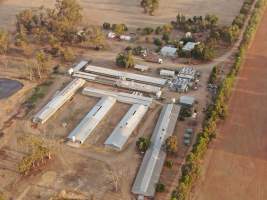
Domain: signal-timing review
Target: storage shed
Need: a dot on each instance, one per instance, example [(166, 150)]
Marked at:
[(168, 51)]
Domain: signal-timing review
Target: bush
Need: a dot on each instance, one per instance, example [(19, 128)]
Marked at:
[(143, 144), (169, 164), (125, 59), (166, 37), (106, 26), (148, 30), (171, 144), (158, 30), (158, 42), (160, 187), (119, 28), (68, 54)]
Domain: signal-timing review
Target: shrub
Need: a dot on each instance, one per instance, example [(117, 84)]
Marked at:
[(148, 30), (143, 144), (158, 42), (125, 59), (106, 26), (158, 30), (171, 144), (160, 187), (166, 37), (169, 163)]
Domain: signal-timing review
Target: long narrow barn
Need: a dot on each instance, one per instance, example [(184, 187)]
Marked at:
[(127, 75), (125, 128), (58, 100), (153, 161), (91, 120), (120, 96)]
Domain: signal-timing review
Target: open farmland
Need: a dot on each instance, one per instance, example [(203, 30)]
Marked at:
[(236, 165), (129, 11)]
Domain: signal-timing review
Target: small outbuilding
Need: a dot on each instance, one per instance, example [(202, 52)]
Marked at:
[(168, 51), (187, 100)]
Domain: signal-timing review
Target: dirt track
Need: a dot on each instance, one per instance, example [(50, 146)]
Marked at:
[(236, 165)]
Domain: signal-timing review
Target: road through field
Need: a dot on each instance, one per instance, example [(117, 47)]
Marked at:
[(236, 165)]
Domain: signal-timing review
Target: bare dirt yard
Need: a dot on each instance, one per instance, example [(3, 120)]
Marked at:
[(129, 11), (236, 165)]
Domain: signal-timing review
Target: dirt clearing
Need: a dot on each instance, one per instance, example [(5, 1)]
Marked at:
[(236, 165)]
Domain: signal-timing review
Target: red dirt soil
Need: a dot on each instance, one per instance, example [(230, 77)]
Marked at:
[(236, 165)]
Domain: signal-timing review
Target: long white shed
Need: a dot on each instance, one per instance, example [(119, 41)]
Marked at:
[(153, 161), (125, 75), (91, 120), (120, 96), (58, 100), (125, 128)]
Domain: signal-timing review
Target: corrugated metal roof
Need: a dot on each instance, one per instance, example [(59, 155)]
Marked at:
[(126, 75), (124, 129), (151, 167), (168, 51), (120, 96), (58, 100), (91, 120)]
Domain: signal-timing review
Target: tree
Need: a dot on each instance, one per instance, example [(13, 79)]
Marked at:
[(125, 59), (203, 52), (38, 152), (143, 144), (43, 62), (150, 6), (160, 187), (4, 41), (171, 144), (119, 28)]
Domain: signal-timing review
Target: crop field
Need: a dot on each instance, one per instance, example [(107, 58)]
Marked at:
[(236, 165)]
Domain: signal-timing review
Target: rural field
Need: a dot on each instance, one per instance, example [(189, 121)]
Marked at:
[(129, 11), (236, 164), (44, 52)]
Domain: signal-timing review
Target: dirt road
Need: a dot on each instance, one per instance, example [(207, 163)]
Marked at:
[(236, 165)]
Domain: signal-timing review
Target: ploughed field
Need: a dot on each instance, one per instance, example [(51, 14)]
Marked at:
[(129, 11), (236, 165)]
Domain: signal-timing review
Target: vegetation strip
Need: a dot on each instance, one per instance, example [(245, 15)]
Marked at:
[(217, 111)]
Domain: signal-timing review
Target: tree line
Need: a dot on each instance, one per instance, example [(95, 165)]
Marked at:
[(216, 111)]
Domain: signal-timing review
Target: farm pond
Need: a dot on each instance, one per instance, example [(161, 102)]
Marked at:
[(8, 87)]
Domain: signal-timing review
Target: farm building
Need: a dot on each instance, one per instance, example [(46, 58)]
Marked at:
[(168, 51), (180, 85), (141, 68), (187, 100), (125, 75), (120, 96), (167, 73), (139, 87), (58, 100), (78, 67), (153, 161), (91, 120), (124, 129), (187, 73)]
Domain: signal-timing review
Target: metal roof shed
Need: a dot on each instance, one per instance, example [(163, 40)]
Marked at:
[(152, 164), (125, 128), (91, 120), (59, 99), (126, 75), (187, 100), (167, 51)]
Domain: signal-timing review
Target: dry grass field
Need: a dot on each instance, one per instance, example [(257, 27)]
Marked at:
[(129, 11), (236, 165)]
